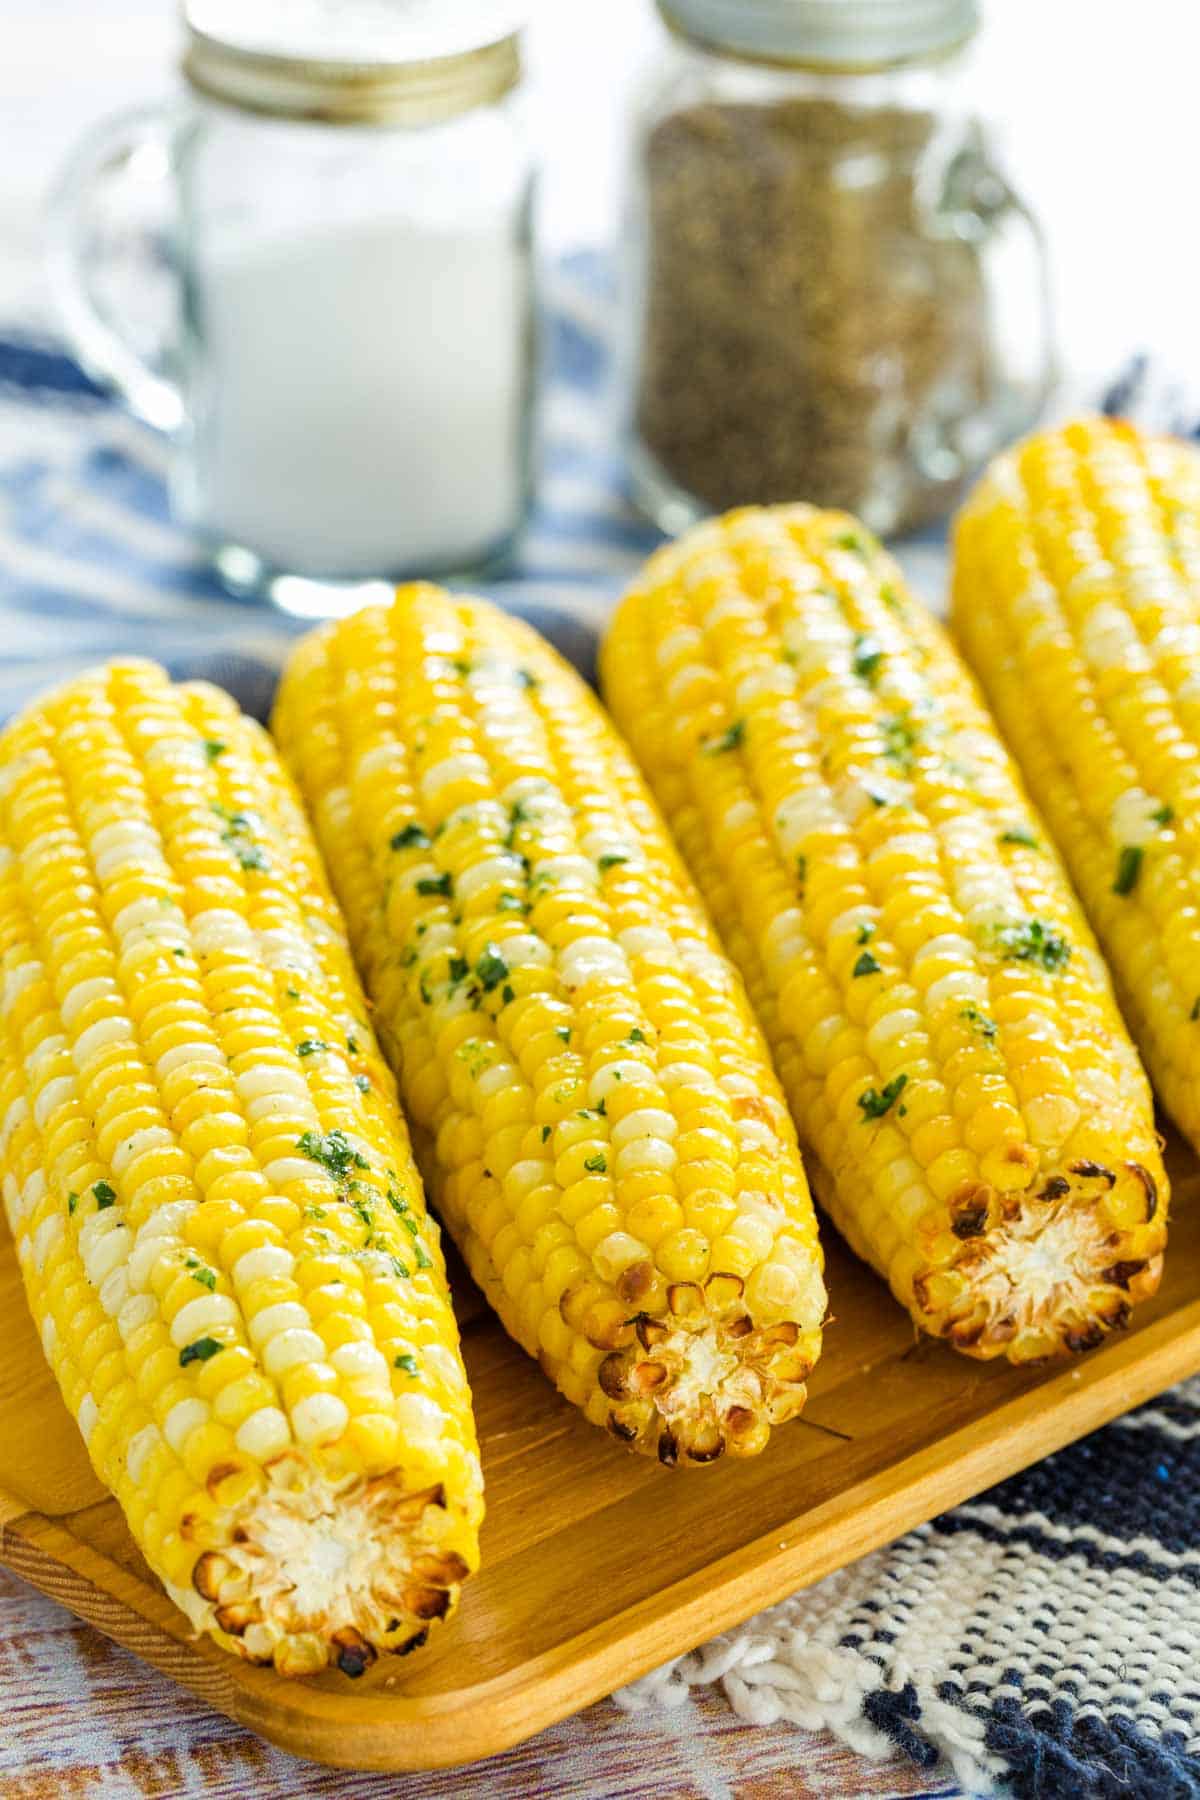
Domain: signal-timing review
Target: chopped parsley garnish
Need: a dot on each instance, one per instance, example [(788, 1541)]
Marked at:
[(1019, 834), (206, 1277), (564, 1032), (491, 969), (875, 796), (1163, 815), (457, 969), (311, 1046), (510, 903), (891, 598), (728, 740), (868, 655), (333, 1151), (435, 884), (424, 1260), (596, 1165), (105, 1195), (866, 964), (876, 1101), (292, 993), (507, 994), (1129, 867), (251, 856), (399, 1269), (406, 1362), (1032, 941), (546, 1129), (73, 1197), (900, 738), (237, 825), (410, 837), (853, 540), (986, 1027), (610, 860), (213, 747), (524, 678), (802, 869), (866, 932), (199, 1351), (637, 1035), (363, 1083), (1195, 1012)]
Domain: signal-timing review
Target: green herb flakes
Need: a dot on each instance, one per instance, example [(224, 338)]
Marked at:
[(435, 884), (866, 965), (333, 1151), (984, 1026), (728, 740), (407, 1362), (105, 1196), (596, 1165), (491, 969), (868, 655), (410, 837), (877, 1101), (199, 1351), (1129, 867), (1035, 942)]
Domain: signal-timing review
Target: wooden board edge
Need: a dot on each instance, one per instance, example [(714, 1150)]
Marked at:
[(451, 1729)]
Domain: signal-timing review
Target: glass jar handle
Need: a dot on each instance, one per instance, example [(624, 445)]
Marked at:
[(114, 146), (978, 192)]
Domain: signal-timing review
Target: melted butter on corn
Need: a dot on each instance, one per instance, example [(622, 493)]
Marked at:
[(216, 1212), (980, 1127), (606, 1138)]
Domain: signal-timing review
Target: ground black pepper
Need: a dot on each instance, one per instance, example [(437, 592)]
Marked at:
[(812, 328)]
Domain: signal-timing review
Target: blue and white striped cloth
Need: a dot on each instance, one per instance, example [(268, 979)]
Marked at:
[(1045, 1639), (91, 564)]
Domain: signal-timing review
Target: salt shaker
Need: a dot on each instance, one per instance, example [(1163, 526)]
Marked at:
[(832, 293), (350, 184)]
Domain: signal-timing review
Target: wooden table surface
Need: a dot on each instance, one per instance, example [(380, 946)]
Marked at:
[(81, 1719)]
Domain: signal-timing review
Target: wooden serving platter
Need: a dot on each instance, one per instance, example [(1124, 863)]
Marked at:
[(599, 1565)]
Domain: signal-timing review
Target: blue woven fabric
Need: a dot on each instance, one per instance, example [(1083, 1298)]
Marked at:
[(1043, 1638)]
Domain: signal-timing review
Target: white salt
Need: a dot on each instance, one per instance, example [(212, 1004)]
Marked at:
[(361, 399)]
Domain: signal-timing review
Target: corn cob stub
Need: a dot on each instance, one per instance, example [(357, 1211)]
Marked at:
[(981, 1128), (219, 1223), (1077, 601), (606, 1138)]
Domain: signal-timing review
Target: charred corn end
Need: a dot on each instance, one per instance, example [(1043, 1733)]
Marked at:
[(1077, 601), (218, 1219), (981, 1128), (607, 1140)]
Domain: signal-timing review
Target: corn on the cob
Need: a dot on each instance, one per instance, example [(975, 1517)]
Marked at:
[(219, 1223), (606, 1139), (980, 1126), (1077, 601)]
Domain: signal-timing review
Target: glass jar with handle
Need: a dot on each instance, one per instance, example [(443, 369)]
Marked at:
[(350, 390), (832, 292)]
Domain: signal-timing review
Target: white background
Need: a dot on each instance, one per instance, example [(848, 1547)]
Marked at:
[(1096, 99)]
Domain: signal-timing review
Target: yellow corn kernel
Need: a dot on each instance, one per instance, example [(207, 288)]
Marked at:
[(564, 1024), (945, 1031), (172, 1122)]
